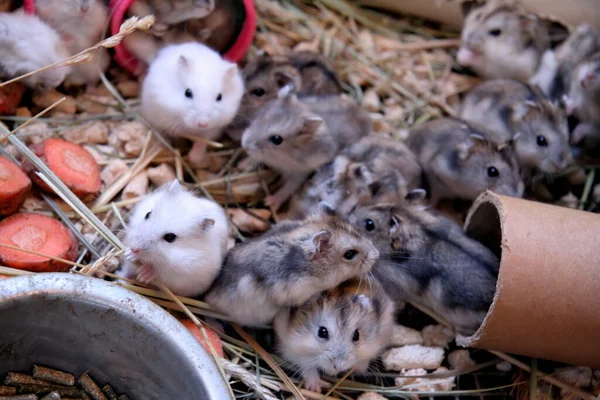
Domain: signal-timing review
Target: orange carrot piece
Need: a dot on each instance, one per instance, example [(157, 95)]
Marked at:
[(71, 163), (14, 186), (212, 336), (37, 233), (10, 97)]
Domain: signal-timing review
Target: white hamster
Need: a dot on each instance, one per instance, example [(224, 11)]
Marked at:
[(27, 44), (178, 238), (190, 90)]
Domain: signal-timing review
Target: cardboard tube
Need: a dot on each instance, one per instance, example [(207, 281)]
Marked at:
[(568, 12), (547, 301)]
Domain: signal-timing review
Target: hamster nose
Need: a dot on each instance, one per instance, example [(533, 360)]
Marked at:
[(203, 124), (135, 250)]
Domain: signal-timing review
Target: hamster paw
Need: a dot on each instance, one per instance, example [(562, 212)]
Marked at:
[(130, 255), (275, 201), (146, 274), (312, 381), (196, 154)]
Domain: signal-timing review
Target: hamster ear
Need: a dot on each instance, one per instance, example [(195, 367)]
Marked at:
[(321, 241), (466, 148), (469, 5), (340, 166), (284, 78), (206, 223), (520, 110), (395, 223), (173, 186), (231, 72), (183, 62), (363, 300), (326, 209), (288, 95), (416, 196), (311, 125)]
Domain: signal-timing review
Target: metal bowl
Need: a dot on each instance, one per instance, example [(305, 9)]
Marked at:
[(76, 323)]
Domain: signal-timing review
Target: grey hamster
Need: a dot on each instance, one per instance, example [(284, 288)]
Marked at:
[(583, 101), (429, 259), (318, 76), (337, 330), (512, 109), (287, 265), (376, 169), (462, 159), (295, 136), (500, 39)]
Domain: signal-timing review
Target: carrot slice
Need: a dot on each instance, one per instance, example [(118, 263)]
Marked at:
[(212, 336), (38, 233), (14, 186), (71, 163)]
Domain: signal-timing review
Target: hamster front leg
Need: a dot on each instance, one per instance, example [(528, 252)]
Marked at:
[(197, 153), (293, 182), (146, 274), (312, 381)]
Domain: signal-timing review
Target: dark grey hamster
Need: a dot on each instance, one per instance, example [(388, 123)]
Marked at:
[(287, 265), (429, 259), (461, 160)]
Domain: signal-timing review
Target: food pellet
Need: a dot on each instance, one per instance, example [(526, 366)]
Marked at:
[(91, 387), (7, 390), (20, 397), (109, 392), (51, 396), (52, 375), (15, 378)]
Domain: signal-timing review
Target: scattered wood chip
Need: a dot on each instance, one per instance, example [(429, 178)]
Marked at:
[(371, 396), (437, 335), (249, 223), (161, 174), (113, 171), (413, 356), (401, 335), (137, 187), (460, 359), (46, 99)]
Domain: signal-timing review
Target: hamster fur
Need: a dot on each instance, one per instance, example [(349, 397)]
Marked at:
[(27, 44), (81, 24), (178, 238), (501, 40), (318, 77), (287, 265), (190, 90), (295, 136), (429, 259), (461, 160), (337, 330), (509, 107), (584, 101)]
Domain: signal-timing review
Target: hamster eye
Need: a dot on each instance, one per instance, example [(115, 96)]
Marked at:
[(276, 140), (258, 92), (541, 141), (349, 255), (355, 336), (148, 215), (188, 93), (169, 237), (369, 225), (495, 32), (219, 97), (492, 172), (323, 333)]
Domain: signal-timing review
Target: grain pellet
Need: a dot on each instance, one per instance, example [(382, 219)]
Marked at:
[(44, 390), (53, 375), (7, 390), (109, 392), (51, 396), (20, 397), (91, 387), (15, 378)]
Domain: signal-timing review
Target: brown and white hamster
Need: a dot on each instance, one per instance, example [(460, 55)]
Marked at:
[(375, 169), (584, 102), (512, 108), (295, 136), (461, 160), (337, 330), (500, 39), (318, 76), (81, 24), (178, 238), (287, 265), (429, 259)]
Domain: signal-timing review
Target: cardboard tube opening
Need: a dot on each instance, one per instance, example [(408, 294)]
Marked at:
[(548, 290)]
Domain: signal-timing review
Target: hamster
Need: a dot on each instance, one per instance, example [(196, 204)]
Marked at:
[(375, 169), (429, 259), (81, 24), (287, 265), (501, 40), (318, 77), (27, 44), (191, 91), (461, 160), (172, 12), (584, 101), (265, 75), (509, 108), (554, 75), (340, 329), (295, 136), (177, 238)]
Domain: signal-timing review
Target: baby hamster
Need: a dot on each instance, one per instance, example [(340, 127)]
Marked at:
[(287, 265), (295, 136), (178, 238), (509, 108), (265, 75), (172, 12), (501, 40), (318, 77), (81, 24), (584, 101), (375, 169), (27, 44), (554, 75), (429, 259), (340, 329), (191, 91), (461, 160)]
